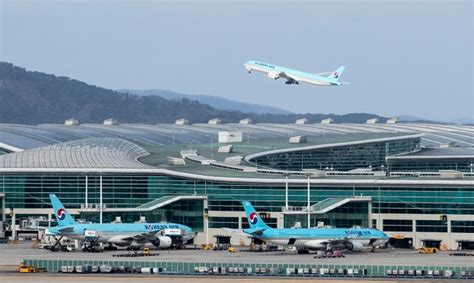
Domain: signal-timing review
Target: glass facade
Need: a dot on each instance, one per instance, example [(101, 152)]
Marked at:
[(130, 191), (430, 165), (224, 222), (431, 226), (390, 225), (462, 226), (338, 158)]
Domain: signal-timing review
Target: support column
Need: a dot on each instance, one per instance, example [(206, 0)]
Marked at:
[(3, 209), (309, 202), (87, 192), (101, 208), (286, 192), (206, 220)]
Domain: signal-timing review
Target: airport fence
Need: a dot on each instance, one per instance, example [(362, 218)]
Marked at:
[(254, 269)]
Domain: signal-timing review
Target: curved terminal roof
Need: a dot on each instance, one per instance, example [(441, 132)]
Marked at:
[(95, 153), (14, 137)]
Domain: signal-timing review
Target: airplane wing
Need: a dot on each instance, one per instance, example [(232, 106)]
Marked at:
[(289, 78), (142, 237), (336, 241)]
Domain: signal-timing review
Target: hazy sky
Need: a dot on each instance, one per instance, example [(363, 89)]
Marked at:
[(401, 57)]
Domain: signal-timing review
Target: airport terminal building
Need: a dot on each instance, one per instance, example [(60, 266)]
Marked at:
[(414, 181)]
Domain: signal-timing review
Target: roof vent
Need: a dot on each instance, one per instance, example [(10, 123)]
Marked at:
[(245, 121), (188, 152), (298, 139), (175, 161), (111, 122), (372, 121), (327, 121), (71, 122), (392, 120), (225, 149), (301, 121), (182, 121), (234, 160), (229, 136), (449, 144), (215, 121)]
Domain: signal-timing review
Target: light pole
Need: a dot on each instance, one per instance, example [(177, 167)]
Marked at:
[(308, 207), (286, 190), (100, 198)]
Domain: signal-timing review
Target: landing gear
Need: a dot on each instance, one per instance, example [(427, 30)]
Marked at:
[(133, 248), (57, 245), (303, 251), (92, 245)]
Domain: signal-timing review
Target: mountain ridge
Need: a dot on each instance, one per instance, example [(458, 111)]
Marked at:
[(213, 101), (30, 97)]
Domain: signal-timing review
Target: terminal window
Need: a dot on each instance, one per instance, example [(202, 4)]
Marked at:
[(431, 226), (397, 225)]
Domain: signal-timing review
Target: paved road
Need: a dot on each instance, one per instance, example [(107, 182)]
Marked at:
[(52, 278), (12, 254)]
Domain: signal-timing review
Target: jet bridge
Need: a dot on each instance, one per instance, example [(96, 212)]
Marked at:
[(337, 212)]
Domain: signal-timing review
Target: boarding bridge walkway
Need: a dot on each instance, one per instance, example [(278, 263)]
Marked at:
[(149, 206)]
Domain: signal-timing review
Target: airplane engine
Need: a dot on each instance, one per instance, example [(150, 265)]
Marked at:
[(162, 242), (354, 246), (273, 76), (314, 244)]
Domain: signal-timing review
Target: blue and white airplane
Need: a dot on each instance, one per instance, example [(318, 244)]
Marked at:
[(294, 76), (353, 239), (119, 234)]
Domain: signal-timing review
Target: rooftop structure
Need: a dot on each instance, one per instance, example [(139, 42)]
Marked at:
[(245, 121), (392, 120), (71, 122), (301, 121), (182, 121), (327, 121), (215, 121), (180, 171), (110, 122), (372, 121)]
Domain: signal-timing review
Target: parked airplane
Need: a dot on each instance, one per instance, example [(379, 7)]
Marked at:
[(294, 76), (119, 234), (353, 239)]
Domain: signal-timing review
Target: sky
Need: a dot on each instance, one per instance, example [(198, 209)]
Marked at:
[(401, 57)]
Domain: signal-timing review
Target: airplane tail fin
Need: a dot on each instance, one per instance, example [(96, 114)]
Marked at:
[(61, 213), (252, 216), (337, 73)]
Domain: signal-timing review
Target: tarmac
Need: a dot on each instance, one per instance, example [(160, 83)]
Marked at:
[(12, 254)]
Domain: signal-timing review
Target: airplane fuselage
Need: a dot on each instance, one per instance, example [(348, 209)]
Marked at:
[(318, 238), (292, 76), (117, 233)]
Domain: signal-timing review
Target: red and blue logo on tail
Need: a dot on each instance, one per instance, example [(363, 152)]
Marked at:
[(61, 214), (253, 218)]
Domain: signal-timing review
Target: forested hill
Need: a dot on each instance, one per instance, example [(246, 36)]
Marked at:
[(34, 97)]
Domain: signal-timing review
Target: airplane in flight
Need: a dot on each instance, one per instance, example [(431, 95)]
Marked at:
[(352, 239), (294, 76), (119, 234)]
